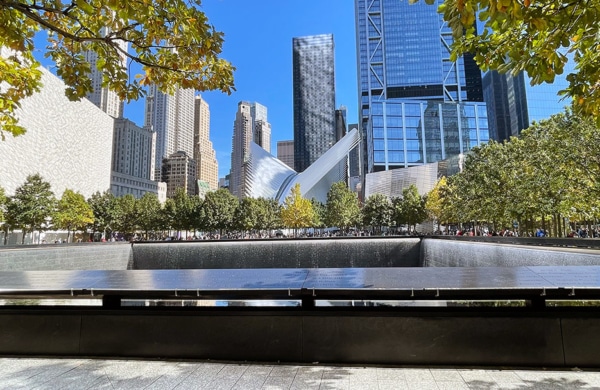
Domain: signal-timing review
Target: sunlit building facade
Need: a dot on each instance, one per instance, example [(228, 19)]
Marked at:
[(207, 167), (179, 171), (69, 143), (172, 118), (269, 177), (250, 125), (416, 105), (506, 102), (285, 152), (105, 99), (132, 160), (514, 104), (314, 98)]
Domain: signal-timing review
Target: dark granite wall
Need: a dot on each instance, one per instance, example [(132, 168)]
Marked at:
[(282, 253), (454, 253), (108, 256), (288, 253)]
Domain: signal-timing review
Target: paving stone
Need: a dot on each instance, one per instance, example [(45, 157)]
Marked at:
[(334, 384), (390, 374), (447, 376), (278, 383), (53, 374), (418, 375), (386, 384), (285, 371), (449, 385), (249, 383), (422, 385)]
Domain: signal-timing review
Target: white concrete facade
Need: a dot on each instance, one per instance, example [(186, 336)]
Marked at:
[(68, 143)]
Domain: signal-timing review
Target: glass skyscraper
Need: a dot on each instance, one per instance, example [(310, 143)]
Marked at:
[(514, 104), (506, 102), (416, 106), (314, 98)]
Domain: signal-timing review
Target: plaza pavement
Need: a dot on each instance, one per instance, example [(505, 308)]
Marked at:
[(53, 373)]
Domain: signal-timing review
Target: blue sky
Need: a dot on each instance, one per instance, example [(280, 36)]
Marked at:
[(258, 42)]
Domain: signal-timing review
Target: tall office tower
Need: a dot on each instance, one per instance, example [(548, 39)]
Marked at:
[(340, 131), (172, 118), (102, 97), (250, 125), (354, 157), (514, 104), (132, 159), (260, 126), (285, 152), (340, 122), (404, 66), (314, 98), (506, 101), (207, 167)]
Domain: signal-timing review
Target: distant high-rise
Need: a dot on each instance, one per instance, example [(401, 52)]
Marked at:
[(132, 160), (314, 98), (506, 102), (354, 157), (207, 167), (260, 126), (172, 118), (285, 152), (250, 125), (179, 171), (514, 104), (102, 97), (404, 67)]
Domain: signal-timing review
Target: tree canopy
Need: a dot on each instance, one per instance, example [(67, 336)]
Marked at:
[(410, 209), (31, 206), (342, 206), (297, 211), (535, 37), (2, 204), (377, 212), (73, 212), (219, 209), (172, 41), (542, 179), (103, 206)]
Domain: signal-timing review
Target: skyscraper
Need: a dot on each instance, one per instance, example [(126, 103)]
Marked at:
[(314, 98), (207, 167), (132, 159), (506, 102), (406, 79), (172, 118), (250, 125), (514, 104), (285, 152), (102, 97), (260, 126)]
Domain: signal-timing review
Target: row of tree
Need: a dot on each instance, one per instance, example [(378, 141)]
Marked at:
[(35, 208), (548, 178)]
